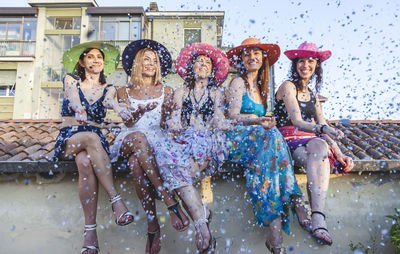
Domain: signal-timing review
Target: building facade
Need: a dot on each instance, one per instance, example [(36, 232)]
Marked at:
[(33, 40)]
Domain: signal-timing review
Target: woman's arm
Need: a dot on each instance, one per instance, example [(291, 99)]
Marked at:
[(110, 103), (167, 107), (174, 123), (234, 94), (330, 131), (71, 93), (219, 120)]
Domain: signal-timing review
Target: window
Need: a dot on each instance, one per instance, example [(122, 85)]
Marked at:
[(114, 28), (63, 23), (55, 46), (192, 35), (21, 28), (7, 82)]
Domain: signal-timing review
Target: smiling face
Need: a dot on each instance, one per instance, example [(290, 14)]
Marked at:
[(93, 61), (202, 67), (149, 64), (306, 67), (252, 59)]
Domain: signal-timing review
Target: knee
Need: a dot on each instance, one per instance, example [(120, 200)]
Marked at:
[(317, 147), (136, 140), (83, 164), (91, 140)]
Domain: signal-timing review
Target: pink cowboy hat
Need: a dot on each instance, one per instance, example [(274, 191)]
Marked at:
[(272, 50), (308, 50), (219, 60)]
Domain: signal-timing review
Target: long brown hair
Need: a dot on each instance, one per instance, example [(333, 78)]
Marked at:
[(295, 77), (80, 71), (136, 75), (262, 77)]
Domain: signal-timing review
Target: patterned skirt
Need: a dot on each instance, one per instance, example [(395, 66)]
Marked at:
[(202, 146), (270, 178)]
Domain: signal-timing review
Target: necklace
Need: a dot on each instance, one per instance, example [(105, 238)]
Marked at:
[(196, 107)]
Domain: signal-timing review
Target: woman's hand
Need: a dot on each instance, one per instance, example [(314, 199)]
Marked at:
[(146, 108), (267, 122), (333, 132), (346, 161), (81, 115), (121, 109), (224, 125)]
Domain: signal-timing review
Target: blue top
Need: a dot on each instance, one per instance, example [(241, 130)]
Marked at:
[(250, 107), (96, 112)]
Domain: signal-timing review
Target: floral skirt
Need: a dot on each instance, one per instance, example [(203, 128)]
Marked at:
[(270, 178), (202, 146)]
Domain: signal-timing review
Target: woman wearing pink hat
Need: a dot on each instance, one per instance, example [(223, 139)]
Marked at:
[(257, 143), (309, 137), (197, 147), (146, 62)]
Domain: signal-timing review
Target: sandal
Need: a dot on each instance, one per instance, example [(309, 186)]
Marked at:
[(174, 208), (321, 240), (275, 249), (151, 236), (126, 217), (197, 225), (89, 247)]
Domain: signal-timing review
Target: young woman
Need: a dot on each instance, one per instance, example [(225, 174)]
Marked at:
[(80, 138), (197, 147), (309, 137), (146, 61), (257, 143)]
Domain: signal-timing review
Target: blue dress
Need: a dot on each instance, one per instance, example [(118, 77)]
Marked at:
[(270, 179)]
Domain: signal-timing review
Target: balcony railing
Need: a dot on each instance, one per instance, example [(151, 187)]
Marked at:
[(17, 48)]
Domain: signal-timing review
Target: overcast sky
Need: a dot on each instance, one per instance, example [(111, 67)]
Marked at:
[(361, 79)]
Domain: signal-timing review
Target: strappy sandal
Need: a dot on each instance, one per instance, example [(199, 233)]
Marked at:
[(275, 250), (197, 225), (128, 216), (89, 247), (174, 208), (321, 240), (151, 236)]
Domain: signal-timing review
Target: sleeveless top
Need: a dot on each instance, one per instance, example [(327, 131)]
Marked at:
[(307, 110), (249, 106), (206, 109), (96, 112)]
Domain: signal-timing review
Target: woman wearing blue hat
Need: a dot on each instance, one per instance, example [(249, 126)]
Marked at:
[(83, 111), (149, 101)]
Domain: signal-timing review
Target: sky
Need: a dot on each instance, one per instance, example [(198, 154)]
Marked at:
[(362, 77)]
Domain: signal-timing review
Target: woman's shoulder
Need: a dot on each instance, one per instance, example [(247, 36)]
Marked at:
[(287, 86)]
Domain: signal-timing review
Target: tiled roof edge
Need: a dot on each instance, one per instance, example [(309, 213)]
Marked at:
[(367, 121)]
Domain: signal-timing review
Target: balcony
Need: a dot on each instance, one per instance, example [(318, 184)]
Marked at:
[(17, 48)]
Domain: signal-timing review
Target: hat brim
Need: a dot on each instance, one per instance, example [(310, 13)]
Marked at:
[(272, 50), (218, 57), (300, 53), (111, 56), (129, 54)]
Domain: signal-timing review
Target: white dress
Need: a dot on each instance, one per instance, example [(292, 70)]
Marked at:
[(148, 124)]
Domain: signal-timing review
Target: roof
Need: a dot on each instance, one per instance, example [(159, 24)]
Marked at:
[(115, 10), (17, 11), (31, 141)]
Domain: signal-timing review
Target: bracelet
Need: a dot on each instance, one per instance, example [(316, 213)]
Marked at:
[(321, 130), (317, 129)]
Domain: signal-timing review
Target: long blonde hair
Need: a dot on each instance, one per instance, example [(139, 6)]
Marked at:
[(136, 75)]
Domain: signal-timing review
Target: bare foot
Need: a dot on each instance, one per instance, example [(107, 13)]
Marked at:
[(153, 245), (319, 229), (90, 239), (120, 208), (179, 219), (203, 234), (302, 214)]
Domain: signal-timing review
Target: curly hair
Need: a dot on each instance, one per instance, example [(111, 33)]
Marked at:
[(295, 77)]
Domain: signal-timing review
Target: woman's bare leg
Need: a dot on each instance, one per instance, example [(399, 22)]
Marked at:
[(275, 239), (90, 142), (146, 195), (136, 144), (88, 195)]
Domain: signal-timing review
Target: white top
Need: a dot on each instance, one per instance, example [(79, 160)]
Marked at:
[(148, 124)]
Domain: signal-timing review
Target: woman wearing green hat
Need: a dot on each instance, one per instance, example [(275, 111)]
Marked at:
[(86, 97)]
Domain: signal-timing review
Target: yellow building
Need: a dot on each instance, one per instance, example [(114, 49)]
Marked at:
[(33, 40)]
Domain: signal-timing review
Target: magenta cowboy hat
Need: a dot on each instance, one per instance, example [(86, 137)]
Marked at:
[(219, 60), (272, 50), (308, 49)]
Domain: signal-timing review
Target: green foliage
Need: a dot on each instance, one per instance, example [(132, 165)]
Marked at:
[(395, 230)]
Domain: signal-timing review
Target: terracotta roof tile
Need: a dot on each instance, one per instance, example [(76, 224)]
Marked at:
[(33, 140)]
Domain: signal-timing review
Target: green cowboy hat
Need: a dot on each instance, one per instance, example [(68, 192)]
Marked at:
[(111, 56)]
